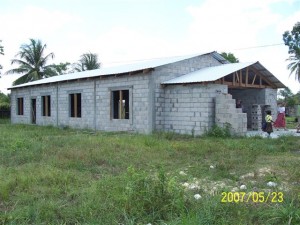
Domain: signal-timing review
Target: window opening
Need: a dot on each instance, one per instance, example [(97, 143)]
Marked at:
[(120, 104)]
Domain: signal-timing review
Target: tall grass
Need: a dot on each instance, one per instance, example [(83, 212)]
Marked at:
[(54, 176)]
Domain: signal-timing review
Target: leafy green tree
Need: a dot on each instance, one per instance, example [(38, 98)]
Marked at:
[(32, 63), (292, 40), (62, 68), (4, 98), (230, 57), (286, 95), (87, 61), (4, 101)]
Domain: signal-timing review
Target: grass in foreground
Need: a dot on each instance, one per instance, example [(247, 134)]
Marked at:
[(53, 176)]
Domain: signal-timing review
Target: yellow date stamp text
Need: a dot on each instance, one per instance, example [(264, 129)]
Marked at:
[(255, 197)]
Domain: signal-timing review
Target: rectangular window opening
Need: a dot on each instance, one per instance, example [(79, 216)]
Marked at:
[(46, 105), (20, 106), (75, 105), (120, 104)]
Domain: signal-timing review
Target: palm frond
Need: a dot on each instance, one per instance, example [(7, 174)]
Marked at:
[(87, 61), (21, 63), (32, 63), (21, 80), (78, 67), (49, 71), (16, 71), (294, 65)]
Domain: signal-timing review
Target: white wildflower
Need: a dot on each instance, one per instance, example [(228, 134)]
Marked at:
[(186, 184), (197, 196), (193, 186), (182, 173), (211, 167), (243, 187), (271, 184)]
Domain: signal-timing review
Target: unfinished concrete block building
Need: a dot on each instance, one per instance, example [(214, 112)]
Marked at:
[(186, 94)]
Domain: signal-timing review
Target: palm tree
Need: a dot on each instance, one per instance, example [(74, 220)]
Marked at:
[(32, 63), (87, 61), (294, 66), (292, 40)]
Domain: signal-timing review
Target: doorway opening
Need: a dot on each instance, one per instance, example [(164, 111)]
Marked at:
[(33, 111)]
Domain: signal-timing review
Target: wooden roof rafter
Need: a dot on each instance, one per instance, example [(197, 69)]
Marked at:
[(263, 77), (247, 77)]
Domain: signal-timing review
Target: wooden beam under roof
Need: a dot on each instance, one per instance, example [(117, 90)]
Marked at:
[(237, 77), (264, 78), (254, 79), (241, 78), (233, 79), (257, 86)]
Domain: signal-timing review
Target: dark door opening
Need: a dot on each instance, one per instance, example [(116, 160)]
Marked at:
[(33, 111)]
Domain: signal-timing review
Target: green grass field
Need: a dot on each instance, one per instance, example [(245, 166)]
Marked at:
[(65, 176), (290, 122)]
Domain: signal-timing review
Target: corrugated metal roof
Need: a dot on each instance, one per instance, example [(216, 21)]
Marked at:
[(216, 72), (111, 70), (208, 73), (205, 74)]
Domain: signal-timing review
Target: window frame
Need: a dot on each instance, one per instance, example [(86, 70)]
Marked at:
[(20, 106), (75, 105), (46, 105), (128, 103)]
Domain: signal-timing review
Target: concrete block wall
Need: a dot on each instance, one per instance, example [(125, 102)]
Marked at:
[(140, 104), (86, 89), (167, 72), (227, 113), (251, 97), (188, 109), (25, 94), (95, 104)]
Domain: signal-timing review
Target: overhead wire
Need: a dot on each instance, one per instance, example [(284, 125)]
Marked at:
[(260, 46)]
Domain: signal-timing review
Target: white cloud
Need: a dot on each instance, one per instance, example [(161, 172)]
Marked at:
[(122, 43), (288, 23), (30, 22), (229, 24)]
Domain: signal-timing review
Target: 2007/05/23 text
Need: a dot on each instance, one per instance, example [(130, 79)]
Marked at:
[(256, 197)]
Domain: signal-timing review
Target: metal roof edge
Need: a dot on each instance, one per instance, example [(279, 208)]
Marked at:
[(117, 69)]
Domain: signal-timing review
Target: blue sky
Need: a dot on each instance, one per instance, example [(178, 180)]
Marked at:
[(124, 30)]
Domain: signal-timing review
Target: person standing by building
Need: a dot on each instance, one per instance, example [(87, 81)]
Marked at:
[(269, 121), (280, 121)]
